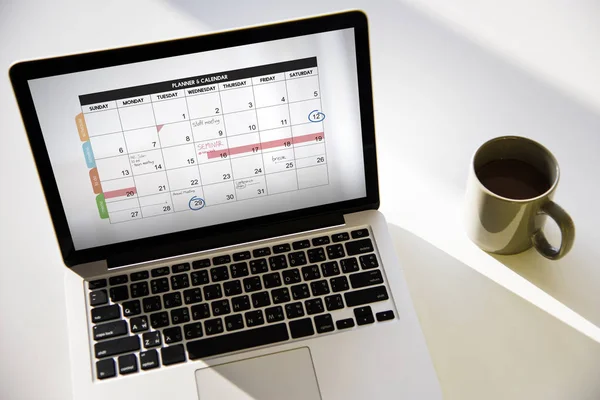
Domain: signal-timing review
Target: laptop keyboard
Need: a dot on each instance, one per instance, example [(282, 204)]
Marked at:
[(236, 301)]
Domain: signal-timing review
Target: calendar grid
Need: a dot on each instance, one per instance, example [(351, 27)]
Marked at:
[(251, 133)]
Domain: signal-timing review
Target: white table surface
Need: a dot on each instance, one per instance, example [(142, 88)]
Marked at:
[(447, 76)]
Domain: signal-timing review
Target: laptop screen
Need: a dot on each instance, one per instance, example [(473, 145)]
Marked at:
[(172, 144)]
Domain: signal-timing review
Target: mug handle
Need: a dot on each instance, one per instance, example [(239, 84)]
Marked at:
[(567, 231)]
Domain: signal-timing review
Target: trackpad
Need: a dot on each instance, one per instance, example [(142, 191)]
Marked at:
[(287, 375)]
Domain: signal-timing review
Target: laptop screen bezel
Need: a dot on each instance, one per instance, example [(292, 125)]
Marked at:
[(20, 73)]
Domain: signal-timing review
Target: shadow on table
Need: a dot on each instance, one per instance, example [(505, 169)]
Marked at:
[(487, 342)]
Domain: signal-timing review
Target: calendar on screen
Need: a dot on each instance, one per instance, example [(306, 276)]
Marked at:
[(189, 144)]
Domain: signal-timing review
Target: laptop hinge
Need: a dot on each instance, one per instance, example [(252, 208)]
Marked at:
[(258, 232)]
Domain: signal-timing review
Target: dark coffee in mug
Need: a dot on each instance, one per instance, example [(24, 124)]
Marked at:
[(513, 179)]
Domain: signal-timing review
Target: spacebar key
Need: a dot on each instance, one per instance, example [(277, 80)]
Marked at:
[(237, 341), (366, 296)]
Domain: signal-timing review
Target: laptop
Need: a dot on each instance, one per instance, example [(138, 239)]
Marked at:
[(215, 199)]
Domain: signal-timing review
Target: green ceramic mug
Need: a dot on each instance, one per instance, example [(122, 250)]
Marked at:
[(511, 184)]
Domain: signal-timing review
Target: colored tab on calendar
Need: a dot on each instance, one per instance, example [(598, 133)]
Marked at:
[(95, 179), (287, 142), (102, 210), (88, 154), (81, 127)]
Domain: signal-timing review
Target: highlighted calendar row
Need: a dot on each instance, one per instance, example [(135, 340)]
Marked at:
[(255, 147)]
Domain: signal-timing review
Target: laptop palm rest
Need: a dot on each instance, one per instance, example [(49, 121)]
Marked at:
[(286, 375)]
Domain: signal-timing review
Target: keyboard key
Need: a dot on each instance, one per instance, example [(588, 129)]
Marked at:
[(192, 331), (161, 271), (367, 278), (213, 326), (384, 315), (131, 308), (128, 364), (239, 270), (117, 346), (219, 274), (232, 288), (301, 328), (340, 237), (349, 265), (297, 258), (178, 268), (359, 247), (277, 262), (119, 293), (240, 303), (252, 284), (212, 292), (149, 359), (259, 266), (291, 276), (172, 299), (368, 261), (281, 248), (192, 296), (316, 255), (139, 289), (97, 284), (98, 297), (110, 330), (118, 280), (335, 251), (204, 263), (261, 299), (294, 310), (300, 291), (320, 241), (280, 295), (271, 280), (180, 281), (151, 339), (221, 260), (105, 368), (319, 288), (345, 323), (151, 304), (324, 323), (159, 319), (314, 306), (160, 285), (330, 268), (172, 354), (364, 315), (359, 233), (199, 278), (138, 324), (274, 314), (101, 314), (339, 284), (254, 318), (334, 302), (180, 316), (262, 252), (234, 322), (311, 272), (172, 335), (301, 244), (139, 276), (365, 296), (237, 341), (243, 255), (220, 307), (200, 311)]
